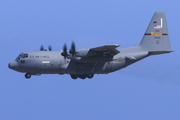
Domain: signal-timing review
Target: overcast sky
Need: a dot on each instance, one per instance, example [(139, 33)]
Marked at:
[(146, 90)]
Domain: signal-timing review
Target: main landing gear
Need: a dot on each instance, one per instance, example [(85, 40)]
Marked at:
[(27, 75), (82, 76)]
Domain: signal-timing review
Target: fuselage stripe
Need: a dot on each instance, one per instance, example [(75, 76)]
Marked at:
[(156, 33)]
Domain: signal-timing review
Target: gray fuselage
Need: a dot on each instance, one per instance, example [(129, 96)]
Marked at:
[(52, 62)]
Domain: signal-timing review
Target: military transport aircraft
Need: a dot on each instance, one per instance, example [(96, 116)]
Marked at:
[(84, 63)]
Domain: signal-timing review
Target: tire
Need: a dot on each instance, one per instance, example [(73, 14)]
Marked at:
[(74, 76), (82, 76), (27, 75), (90, 76)]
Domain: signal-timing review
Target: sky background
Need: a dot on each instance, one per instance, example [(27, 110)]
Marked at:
[(146, 90)]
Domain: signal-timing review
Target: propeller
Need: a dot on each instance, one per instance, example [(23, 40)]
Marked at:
[(41, 48), (50, 48), (72, 50), (64, 53)]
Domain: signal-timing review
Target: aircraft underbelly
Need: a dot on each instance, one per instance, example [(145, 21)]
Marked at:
[(83, 68)]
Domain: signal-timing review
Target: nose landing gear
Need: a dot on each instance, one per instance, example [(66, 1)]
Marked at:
[(27, 75)]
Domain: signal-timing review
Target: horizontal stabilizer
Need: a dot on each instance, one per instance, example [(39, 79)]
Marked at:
[(158, 52)]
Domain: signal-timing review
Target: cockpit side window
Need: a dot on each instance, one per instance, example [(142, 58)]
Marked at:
[(22, 55), (25, 55)]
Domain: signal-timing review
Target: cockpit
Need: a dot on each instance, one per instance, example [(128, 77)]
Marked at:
[(22, 55)]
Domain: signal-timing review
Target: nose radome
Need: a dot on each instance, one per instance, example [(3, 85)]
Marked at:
[(13, 65)]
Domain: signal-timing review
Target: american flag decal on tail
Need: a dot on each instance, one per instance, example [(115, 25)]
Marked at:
[(157, 27)]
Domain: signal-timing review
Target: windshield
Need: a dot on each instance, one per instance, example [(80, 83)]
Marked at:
[(22, 55)]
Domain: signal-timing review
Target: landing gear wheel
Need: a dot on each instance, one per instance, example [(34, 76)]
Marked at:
[(82, 76), (27, 75), (74, 76), (90, 76)]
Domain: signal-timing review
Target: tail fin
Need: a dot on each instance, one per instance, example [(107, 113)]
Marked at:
[(156, 37)]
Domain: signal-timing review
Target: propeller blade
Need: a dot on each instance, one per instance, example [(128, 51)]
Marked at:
[(41, 48), (50, 48), (72, 50), (73, 47), (65, 48), (64, 53)]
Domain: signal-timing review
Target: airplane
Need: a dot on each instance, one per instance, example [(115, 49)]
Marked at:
[(84, 63)]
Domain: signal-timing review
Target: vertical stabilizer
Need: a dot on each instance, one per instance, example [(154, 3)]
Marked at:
[(156, 37)]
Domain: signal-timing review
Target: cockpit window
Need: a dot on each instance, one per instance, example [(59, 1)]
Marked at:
[(22, 55)]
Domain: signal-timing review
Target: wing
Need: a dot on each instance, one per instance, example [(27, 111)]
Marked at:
[(94, 55), (106, 50)]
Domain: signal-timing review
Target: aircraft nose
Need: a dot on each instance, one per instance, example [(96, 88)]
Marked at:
[(13, 65)]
